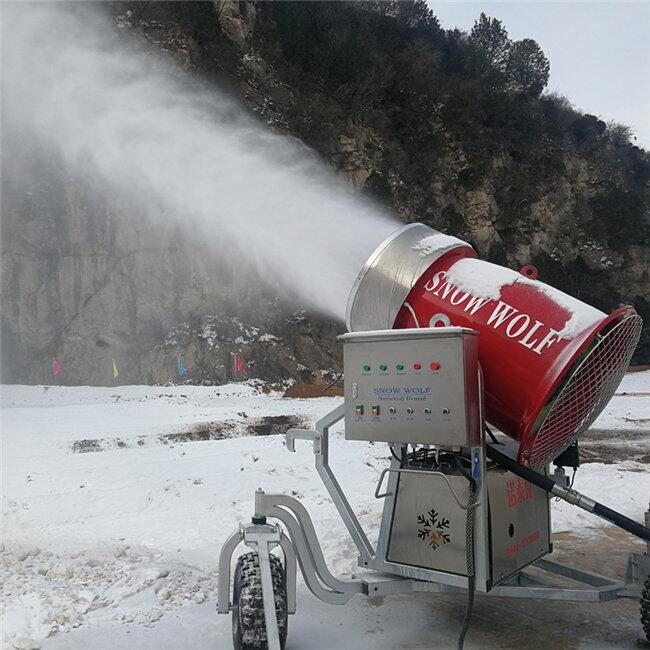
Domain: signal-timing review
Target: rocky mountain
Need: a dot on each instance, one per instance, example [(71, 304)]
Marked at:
[(416, 116)]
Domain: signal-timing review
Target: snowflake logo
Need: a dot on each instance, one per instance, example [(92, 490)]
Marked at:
[(433, 529)]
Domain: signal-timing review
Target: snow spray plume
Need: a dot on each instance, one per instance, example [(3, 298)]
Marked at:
[(149, 130)]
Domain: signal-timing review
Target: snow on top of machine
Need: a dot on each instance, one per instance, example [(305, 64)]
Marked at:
[(439, 241), (470, 275)]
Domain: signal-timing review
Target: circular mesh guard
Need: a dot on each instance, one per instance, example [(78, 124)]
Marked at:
[(587, 391)]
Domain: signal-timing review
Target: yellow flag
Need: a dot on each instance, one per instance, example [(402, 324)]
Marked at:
[(116, 372)]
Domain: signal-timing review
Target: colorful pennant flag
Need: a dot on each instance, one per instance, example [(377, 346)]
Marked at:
[(182, 369), (116, 372), (57, 368), (239, 367)]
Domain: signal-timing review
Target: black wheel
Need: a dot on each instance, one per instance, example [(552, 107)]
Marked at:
[(645, 609), (248, 624)]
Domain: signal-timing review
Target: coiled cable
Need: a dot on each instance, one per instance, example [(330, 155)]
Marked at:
[(469, 548)]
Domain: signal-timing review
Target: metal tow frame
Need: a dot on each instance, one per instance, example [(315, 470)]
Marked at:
[(262, 538), (387, 577), (320, 438)]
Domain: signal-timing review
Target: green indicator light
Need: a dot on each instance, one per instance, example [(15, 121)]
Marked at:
[(399, 366), (409, 411), (383, 367), (392, 410), (366, 368), (427, 411)]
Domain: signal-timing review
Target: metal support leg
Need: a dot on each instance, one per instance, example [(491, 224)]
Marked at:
[(296, 519), (268, 597), (225, 558), (320, 439), (291, 572), (263, 538), (638, 567)]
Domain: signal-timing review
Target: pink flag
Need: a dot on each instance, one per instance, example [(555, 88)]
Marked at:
[(57, 368), (238, 365)]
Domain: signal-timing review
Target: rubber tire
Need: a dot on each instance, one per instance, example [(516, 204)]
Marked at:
[(645, 609), (248, 623)]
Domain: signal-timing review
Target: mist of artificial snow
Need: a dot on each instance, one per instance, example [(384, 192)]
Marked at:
[(159, 136)]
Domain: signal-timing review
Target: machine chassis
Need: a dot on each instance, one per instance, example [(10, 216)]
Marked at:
[(383, 577)]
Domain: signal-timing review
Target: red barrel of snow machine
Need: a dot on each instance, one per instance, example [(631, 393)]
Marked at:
[(550, 362)]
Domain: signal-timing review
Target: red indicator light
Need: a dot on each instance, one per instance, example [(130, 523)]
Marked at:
[(416, 366), (435, 365)]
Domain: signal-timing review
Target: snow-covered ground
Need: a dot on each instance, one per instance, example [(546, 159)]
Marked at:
[(115, 502)]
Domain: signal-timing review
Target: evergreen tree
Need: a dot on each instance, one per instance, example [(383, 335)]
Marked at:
[(490, 38), (527, 67)]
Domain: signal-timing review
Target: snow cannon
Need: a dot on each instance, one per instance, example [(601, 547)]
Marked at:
[(439, 342), (550, 362)]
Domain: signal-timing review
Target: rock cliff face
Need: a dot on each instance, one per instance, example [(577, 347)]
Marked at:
[(90, 280), (525, 180)]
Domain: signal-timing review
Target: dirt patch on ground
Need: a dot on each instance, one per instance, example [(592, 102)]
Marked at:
[(218, 430), (318, 388), (86, 446), (604, 549), (264, 426), (611, 453), (274, 424), (615, 445), (200, 433)]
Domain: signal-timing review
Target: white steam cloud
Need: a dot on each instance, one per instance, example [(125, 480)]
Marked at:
[(155, 133)]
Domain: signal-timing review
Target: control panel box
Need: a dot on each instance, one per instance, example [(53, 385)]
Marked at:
[(412, 386)]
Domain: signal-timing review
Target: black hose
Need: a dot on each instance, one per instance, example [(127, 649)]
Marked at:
[(492, 436), (548, 484), (469, 550), (520, 470), (395, 456), (622, 521), (334, 381), (458, 461), (468, 611)]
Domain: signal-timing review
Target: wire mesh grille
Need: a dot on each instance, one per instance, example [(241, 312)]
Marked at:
[(587, 391)]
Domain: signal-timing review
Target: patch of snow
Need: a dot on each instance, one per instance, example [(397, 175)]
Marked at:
[(437, 243), (486, 280), (630, 408), (209, 332), (635, 382), (123, 539)]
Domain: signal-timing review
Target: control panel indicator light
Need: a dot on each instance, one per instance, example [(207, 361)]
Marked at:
[(359, 409), (416, 366), (434, 365), (366, 368), (409, 411), (392, 410), (375, 409), (399, 366), (383, 367)]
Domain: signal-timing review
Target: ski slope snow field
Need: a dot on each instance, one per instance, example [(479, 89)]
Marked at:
[(115, 502)]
